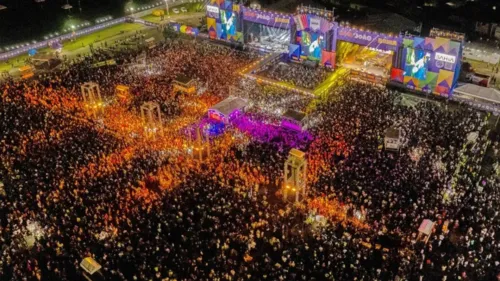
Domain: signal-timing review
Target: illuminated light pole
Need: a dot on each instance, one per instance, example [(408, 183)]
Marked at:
[(166, 4)]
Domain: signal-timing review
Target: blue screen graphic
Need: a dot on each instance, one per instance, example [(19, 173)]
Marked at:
[(416, 63)]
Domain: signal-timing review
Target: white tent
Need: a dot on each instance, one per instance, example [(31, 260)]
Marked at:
[(426, 227), (90, 265), (392, 139), (476, 92), (227, 109)]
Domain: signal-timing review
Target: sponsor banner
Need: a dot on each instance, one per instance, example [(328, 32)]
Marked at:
[(366, 38), (185, 29), (445, 58), (267, 18), (212, 11), (315, 24)]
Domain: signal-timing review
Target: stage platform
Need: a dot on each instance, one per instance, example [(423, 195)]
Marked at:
[(251, 72)]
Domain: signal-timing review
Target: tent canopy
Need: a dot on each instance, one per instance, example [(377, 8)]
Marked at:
[(392, 133), (183, 80), (294, 115), (229, 105), (90, 265), (426, 227), (478, 92)]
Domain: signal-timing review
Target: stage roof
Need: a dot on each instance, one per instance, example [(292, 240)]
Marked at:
[(392, 133), (182, 79), (229, 105), (295, 115), (478, 92)]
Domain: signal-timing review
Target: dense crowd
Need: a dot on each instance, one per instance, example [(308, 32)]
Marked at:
[(270, 100), (300, 75), (224, 219)]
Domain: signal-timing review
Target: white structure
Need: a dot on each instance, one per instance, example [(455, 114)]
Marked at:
[(487, 99), (92, 98), (151, 116), (425, 230), (295, 176), (228, 109), (392, 139), (91, 93), (90, 265)]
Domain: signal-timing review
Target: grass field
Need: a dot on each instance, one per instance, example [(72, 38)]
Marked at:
[(101, 35), (105, 34), (152, 18)]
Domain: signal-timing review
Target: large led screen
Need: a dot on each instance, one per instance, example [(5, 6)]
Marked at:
[(311, 43), (228, 21), (429, 64), (416, 63), (222, 21)]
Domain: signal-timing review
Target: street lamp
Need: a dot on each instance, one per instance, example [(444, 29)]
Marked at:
[(168, 13)]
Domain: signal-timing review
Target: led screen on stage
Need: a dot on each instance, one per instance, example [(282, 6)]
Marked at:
[(259, 33), (228, 22), (222, 21), (429, 64), (328, 59), (416, 63), (311, 43)]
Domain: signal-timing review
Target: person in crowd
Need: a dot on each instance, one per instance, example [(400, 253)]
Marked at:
[(67, 184)]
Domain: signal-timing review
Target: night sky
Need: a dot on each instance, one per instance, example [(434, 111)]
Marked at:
[(26, 20)]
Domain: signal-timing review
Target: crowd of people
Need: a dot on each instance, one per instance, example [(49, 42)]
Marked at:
[(300, 75), (223, 219)]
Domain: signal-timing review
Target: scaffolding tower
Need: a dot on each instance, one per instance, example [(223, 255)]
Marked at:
[(92, 97), (295, 176), (151, 116)]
